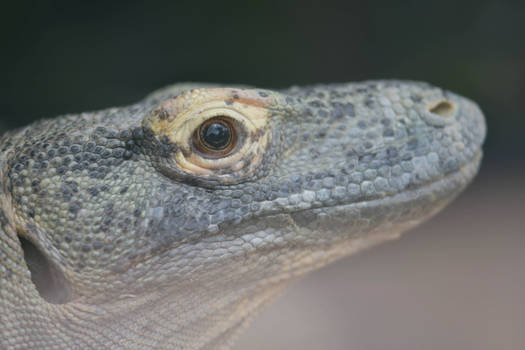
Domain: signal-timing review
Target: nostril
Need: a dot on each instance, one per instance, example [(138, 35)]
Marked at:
[(442, 108)]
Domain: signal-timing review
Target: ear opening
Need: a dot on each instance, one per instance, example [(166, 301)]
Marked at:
[(47, 278)]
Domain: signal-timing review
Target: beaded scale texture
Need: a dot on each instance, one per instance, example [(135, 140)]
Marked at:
[(166, 224)]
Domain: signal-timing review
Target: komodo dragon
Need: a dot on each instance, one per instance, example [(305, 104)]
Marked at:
[(166, 224)]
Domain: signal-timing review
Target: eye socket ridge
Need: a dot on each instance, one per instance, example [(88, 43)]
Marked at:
[(216, 137)]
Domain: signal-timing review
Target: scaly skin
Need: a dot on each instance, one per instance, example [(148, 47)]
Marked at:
[(135, 237)]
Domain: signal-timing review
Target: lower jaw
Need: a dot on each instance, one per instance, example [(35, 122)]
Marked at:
[(346, 229)]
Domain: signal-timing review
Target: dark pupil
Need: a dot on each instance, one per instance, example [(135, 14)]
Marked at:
[(216, 135)]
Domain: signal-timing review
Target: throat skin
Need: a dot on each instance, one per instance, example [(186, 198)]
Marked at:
[(119, 230)]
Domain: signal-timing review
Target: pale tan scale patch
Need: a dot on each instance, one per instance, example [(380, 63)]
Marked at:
[(178, 120)]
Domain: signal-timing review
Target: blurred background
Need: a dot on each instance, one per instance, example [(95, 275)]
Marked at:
[(456, 282)]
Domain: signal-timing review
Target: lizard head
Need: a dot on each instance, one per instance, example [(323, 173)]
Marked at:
[(203, 196)]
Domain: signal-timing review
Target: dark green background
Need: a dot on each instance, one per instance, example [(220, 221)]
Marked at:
[(59, 57)]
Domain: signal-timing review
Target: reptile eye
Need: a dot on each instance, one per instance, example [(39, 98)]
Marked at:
[(216, 136)]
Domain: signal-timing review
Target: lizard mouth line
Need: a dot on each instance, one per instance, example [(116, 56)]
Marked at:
[(467, 168), (444, 186)]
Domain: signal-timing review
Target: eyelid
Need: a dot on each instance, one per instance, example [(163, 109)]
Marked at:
[(201, 163), (174, 122)]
